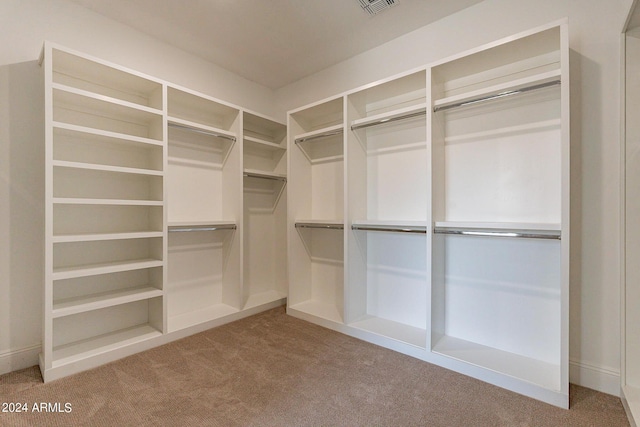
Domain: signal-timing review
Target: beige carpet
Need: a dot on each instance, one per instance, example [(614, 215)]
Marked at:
[(275, 370)]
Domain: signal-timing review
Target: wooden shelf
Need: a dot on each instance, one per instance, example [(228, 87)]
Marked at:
[(104, 268), (84, 349), (82, 304), (534, 371), (107, 100)]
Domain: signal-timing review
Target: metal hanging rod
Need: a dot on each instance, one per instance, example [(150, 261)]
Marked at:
[(265, 176), (389, 120), (325, 225), (202, 131), (391, 228), (550, 235), (202, 228), (496, 96), (319, 136)]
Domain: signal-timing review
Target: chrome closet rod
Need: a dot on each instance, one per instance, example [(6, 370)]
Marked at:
[(396, 229), (501, 233), (203, 131), (203, 228), (259, 175), (316, 225), (389, 120), (321, 135), (497, 95)]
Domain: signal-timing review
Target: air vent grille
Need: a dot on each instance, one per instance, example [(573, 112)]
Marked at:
[(376, 6)]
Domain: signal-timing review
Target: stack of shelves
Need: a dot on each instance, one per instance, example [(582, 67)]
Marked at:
[(500, 199), (204, 207), (388, 208), (265, 210), (316, 210), (104, 274)]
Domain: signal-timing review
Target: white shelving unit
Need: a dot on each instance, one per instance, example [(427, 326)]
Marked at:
[(204, 208), (104, 234), (500, 162), (316, 211), (387, 209), (456, 213), (145, 212), (265, 210)]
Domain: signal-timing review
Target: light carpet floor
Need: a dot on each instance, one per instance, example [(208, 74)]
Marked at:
[(274, 370)]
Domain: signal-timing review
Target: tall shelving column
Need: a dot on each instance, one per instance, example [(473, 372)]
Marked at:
[(388, 202), (104, 212), (264, 210), (204, 200), (500, 161), (316, 212)]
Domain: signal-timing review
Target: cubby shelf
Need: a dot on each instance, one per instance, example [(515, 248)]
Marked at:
[(93, 237), (122, 137), (104, 268), (81, 350), (531, 370), (82, 304), (105, 168)]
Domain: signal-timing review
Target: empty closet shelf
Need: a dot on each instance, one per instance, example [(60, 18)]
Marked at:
[(218, 133), (202, 227), (392, 116), (319, 134), (264, 175), (513, 233), (517, 87), (319, 224), (392, 228)]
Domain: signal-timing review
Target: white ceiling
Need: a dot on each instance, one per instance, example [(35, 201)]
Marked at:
[(273, 42)]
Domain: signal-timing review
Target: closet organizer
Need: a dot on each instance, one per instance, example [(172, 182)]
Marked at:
[(429, 213), (165, 213)]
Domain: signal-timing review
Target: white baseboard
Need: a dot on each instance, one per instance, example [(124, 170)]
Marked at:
[(594, 377), (14, 360)]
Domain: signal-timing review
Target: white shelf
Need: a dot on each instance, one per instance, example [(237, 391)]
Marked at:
[(104, 268), (103, 98), (390, 225), (261, 298), (200, 128), (84, 349), (92, 237), (254, 173), (395, 330), (197, 317), (125, 138), (534, 371), (105, 168), (322, 133), (498, 90), (212, 223), (77, 305), (262, 144), (319, 309), (115, 202), (391, 116)]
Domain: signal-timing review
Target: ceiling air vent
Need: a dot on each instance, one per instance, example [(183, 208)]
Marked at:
[(376, 6)]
